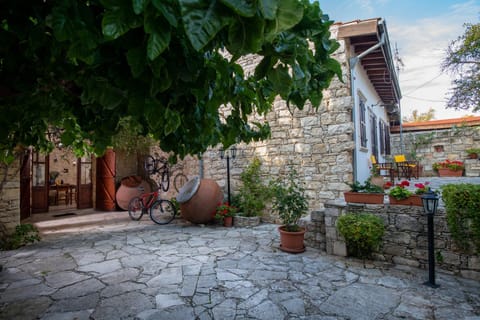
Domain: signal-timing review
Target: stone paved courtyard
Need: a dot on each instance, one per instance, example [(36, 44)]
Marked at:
[(136, 270)]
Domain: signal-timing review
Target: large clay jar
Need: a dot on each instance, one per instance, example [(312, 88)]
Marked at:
[(131, 186), (198, 199)]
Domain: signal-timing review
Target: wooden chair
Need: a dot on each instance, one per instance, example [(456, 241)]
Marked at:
[(73, 194), (406, 168), (385, 169), (62, 194)]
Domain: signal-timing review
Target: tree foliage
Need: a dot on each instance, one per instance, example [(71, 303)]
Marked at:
[(166, 66), (420, 116), (463, 60)]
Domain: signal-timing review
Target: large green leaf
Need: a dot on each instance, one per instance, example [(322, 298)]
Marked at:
[(202, 20), (246, 35), (244, 8), (157, 43), (136, 60), (119, 20), (61, 23), (139, 6), (268, 8), (167, 11), (289, 13)]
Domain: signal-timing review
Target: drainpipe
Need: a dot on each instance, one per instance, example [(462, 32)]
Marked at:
[(200, 166), (353, 63)]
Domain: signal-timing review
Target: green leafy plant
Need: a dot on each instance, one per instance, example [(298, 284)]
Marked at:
[(473, 151), (253, 194), (462, 204), (289, 200), (455, 165), (86, 65), (223, 210), (363, 233), (23, 235), (367, 187), (400, 191)]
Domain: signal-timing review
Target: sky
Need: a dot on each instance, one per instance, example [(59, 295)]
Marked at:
[(422, 31)]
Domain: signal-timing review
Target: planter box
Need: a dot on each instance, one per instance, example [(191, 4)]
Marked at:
[(241, 221), (444, 172), (361, 197), (414, 200)]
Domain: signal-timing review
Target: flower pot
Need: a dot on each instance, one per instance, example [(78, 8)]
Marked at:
[(473, 156), (413, 200), (228, 221), (292, 242), (378, 181), (362, 197), (445, 172)]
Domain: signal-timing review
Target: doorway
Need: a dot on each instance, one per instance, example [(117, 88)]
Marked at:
[(57, 181)]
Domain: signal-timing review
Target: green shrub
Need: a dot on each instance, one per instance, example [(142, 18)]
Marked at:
[(362, 232), (462, 204), (253, 194), (24, 234), (368, 187)]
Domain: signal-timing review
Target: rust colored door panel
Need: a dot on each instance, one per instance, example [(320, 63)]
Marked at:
[(105, 190), (84, 183), (39, 182)]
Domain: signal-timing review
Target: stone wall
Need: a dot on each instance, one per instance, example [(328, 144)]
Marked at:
[(404, 241), (318, 143), (438, 145), (9, 198)]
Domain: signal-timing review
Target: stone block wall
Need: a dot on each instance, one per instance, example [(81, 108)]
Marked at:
[(9, 198), (404, 241), (440, 145), (317, 143)]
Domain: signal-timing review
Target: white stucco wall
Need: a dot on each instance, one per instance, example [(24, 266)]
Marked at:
[(373, 104)]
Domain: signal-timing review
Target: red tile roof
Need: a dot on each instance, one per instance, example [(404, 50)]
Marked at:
[(437, 124)]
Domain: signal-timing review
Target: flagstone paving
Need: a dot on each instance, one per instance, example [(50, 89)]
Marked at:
[(132, 270)]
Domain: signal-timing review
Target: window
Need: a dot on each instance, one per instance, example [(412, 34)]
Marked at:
[(381, 126), (373, 134), (363, 123)]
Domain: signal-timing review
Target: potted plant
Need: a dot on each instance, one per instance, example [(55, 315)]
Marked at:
[(400, 195), (375, 177), (224, 212), (290, 202), (364, 193), (449, 168), (252, 196), (473, 153)]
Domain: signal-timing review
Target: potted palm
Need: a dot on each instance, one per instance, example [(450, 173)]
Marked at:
[(473, 153), (290, 202)]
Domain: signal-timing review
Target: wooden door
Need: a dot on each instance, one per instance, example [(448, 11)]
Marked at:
[(84, 183), (39, 182), (25, 180)]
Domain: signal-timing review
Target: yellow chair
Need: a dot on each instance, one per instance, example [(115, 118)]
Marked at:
[(385, 169), (406, 168)]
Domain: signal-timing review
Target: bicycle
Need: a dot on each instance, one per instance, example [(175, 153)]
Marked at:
[(179, 179), (160, 166), (162, 211)]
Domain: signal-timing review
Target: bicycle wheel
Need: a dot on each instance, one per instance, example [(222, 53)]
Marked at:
[(165, 183), (135, 208), (162, 212), (149, 164), (179, 181)]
